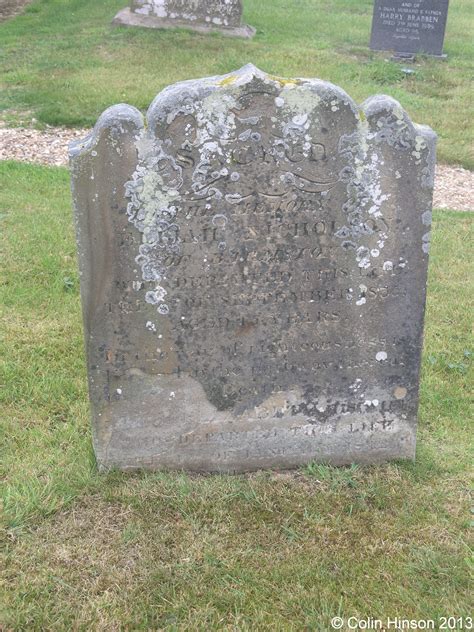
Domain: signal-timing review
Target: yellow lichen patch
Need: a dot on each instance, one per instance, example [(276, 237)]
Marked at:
[(228, 80), (284, 82)]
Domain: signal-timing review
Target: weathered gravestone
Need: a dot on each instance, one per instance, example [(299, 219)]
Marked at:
[(203, 16), (409, 27), (253, 268)]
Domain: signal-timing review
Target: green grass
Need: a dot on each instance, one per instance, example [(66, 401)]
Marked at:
[(63, 63), (267, 551)]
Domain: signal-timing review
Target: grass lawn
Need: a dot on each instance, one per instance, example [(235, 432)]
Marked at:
[(63, 63), (266, 551)]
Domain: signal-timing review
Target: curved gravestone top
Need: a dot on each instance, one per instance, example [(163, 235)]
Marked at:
[(253, 264)]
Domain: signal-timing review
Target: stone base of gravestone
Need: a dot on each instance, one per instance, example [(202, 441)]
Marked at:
[(409, 58), (127, 17)]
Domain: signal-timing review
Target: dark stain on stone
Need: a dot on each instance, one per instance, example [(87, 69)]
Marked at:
[(245, 329)]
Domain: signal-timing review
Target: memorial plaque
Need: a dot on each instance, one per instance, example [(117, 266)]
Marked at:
[(253, 269), (203, 16), (409, 27)]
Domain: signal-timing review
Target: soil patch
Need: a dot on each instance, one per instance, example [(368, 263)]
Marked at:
[(10, 8)]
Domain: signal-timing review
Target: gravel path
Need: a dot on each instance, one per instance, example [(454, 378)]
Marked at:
[(454, 187), (10, 8)]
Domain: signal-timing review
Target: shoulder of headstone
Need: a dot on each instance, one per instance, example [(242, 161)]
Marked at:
[(328, 91), (380, 108), (120, 119)]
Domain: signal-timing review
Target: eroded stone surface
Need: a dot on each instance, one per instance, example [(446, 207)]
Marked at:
[(200, 15), (218, 12), (253, 270)]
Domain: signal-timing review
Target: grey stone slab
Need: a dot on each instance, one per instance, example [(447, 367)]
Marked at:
[(409, 27), (203, 16), (253, 270)]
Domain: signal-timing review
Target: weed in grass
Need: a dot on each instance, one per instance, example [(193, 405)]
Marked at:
[(335, 476), (386, 73)]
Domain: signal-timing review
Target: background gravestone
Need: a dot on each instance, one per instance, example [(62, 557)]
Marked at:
[(409, 27), (253, 270), (203, 16)]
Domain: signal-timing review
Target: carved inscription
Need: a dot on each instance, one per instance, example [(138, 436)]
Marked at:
[(266, 305), (225, 246), (409, 26)]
